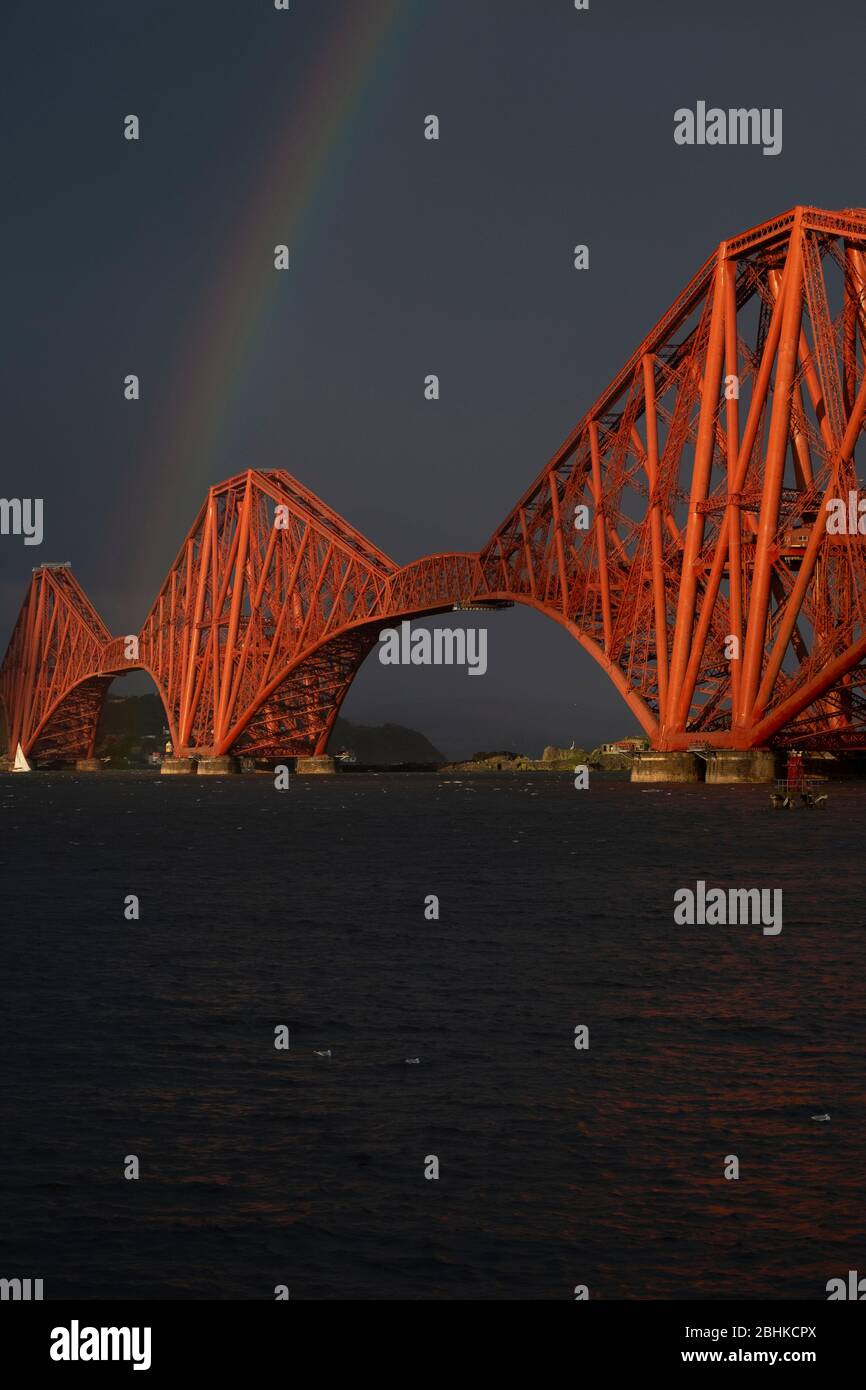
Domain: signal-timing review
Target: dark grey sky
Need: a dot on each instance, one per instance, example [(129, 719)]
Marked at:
[(409, 257)]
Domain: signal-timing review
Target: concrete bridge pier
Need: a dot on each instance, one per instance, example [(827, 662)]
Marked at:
[(177, 767), (718, 766), (650, 765), (218, 767), (88, 765), (317, 764), (746, 765)]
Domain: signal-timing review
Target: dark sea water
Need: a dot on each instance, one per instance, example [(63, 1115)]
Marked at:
[(558, 1167)]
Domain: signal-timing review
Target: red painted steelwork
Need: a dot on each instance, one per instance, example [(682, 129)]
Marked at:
[(705, 582)]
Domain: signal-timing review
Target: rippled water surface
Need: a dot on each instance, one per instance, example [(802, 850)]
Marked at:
[(307, 908)]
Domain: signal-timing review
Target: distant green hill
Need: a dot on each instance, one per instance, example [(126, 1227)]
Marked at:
[(129, 719), (383, 744)]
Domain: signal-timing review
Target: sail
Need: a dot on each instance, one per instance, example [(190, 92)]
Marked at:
[(21, 764)]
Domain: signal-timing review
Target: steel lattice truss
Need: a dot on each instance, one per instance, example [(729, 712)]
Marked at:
[(704, 580), (49, 681), (705, 468), (265, 616)]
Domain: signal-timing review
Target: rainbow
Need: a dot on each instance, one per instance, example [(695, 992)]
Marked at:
[(221, 354)]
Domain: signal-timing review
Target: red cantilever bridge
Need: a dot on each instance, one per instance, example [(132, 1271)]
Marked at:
[(679, 534)]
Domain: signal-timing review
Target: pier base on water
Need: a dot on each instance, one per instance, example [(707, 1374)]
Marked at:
[(88, 765), (652, 766), (748, 765), (176, 767), (218, 767), (320, 763)]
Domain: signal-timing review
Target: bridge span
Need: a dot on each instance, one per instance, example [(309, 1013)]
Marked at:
[(681, 534)]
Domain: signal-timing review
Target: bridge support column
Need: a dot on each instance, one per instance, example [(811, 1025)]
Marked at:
[(653, 766), (748, 765), (218, 767), (318, 764), (176, 767)]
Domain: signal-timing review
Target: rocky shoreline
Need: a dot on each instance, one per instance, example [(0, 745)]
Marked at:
[(606, 758)]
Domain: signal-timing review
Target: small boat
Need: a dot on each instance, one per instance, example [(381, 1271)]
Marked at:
[(795, 784), (345, 755), (21, 764)]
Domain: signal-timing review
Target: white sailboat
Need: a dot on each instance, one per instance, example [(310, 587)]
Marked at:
[(21, 764)]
